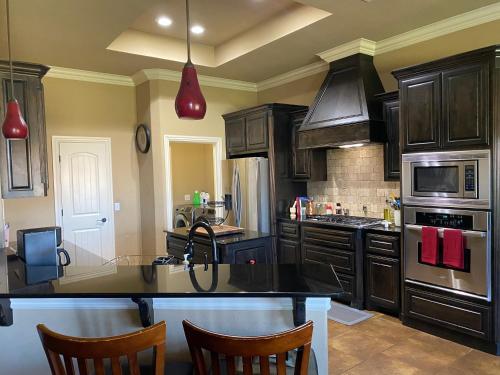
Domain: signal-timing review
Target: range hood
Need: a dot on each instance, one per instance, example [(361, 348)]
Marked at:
[(345, 111)]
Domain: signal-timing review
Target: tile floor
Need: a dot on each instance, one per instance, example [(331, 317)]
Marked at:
[(382, 345)]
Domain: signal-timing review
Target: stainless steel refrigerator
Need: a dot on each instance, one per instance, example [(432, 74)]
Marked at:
[(247, 180)]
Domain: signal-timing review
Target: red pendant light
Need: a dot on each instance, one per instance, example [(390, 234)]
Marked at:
[(189, 102), (14, 126)]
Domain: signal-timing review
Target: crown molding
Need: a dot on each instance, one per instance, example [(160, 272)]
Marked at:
[(171, 75), (89, 76), (293, 75), (360, 45), (434, 30)]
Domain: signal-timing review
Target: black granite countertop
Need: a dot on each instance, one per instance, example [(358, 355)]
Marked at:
[(381, 229), (247, 235), (18, 280)]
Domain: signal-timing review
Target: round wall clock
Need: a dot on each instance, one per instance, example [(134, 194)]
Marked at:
[(143, 138)]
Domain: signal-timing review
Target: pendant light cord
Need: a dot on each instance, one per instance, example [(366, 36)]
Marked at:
[(187, 32), (10, 52)]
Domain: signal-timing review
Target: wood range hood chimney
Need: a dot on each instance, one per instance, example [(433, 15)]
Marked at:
[(345, 111)]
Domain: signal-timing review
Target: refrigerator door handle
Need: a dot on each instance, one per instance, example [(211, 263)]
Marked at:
[(258, 178), (236, 195)]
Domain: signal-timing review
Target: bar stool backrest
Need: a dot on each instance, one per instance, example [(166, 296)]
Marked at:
[(97, 350), (248, 348)]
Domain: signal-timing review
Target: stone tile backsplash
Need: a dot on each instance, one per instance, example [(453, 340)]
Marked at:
[(355, 179)]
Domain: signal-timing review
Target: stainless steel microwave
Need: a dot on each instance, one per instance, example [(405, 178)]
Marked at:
[(447, 179)]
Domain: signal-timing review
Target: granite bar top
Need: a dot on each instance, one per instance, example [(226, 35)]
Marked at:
[(247, 235), (18, 280)]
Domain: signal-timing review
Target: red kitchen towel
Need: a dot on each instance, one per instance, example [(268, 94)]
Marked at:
[(429, 245), (453, 248)]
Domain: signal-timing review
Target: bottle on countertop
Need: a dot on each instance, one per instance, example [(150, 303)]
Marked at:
[(338, 210), (329, 209), (310, 207), (196, 198)]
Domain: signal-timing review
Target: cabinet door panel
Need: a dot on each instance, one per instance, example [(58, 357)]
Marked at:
[(23, 162), (382, 287), (235, 136), (288, 252), (391, 150), (256, 132), (465, 100), (420, 112)]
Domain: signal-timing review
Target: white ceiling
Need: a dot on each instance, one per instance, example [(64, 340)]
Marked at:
[(76, 33)]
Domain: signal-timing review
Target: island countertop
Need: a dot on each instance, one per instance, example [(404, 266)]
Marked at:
[(246, 235)]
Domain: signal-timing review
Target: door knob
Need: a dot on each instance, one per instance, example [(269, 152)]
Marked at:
[(103, 220)]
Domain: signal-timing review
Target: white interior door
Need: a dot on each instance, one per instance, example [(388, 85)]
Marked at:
[(86, 201)]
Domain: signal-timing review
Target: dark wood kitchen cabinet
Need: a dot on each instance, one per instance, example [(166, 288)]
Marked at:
[(420, 112), (445, 104), (307, 164), (382, 262), (247, 132), (392, 154), (288, 242), (23, 163), (465, 101)]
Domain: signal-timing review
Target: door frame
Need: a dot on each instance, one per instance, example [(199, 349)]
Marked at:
[(56, 141), (216, 143)]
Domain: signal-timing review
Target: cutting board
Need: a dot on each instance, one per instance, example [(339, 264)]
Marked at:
[(221, 230)]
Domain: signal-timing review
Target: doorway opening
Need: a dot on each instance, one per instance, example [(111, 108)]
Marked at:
[(192, 164)]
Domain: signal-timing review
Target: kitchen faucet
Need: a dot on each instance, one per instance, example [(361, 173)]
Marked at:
[(189, 248)]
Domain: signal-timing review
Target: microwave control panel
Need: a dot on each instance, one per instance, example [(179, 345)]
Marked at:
[(470, 177)]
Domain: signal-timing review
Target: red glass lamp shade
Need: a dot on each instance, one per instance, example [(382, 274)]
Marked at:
[(190, 103), (14, 126)]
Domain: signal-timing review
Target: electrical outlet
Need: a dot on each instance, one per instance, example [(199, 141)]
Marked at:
[(118, 206), (187, 197)]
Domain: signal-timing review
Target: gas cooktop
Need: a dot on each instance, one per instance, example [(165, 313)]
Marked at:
[(346, 221)]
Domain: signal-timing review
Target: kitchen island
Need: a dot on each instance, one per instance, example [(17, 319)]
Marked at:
[(240, 248), (234, 299)]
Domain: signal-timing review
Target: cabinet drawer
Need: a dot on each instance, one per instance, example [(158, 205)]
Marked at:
[(454, 314), (383, 245), (342, 261), (289, 230), (328, 237)]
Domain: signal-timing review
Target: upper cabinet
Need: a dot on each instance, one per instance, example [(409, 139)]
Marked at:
[(247, 132), (23, 163), (392, 154), (445, 103), (307, 164)]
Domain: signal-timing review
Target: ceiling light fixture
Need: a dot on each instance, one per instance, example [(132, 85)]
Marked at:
[(197, 29), (14, 126), (352, 145), (164, 21), (189, 102)]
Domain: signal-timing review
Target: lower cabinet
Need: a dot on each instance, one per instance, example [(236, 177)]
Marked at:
[(288, 251), (382, 282), (244, 252), (383, 272)]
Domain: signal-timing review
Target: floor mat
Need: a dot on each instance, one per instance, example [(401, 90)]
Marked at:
[(347, 315)]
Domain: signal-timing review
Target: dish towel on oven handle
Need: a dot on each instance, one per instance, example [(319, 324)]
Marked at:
[(453, 248), (430, 254)]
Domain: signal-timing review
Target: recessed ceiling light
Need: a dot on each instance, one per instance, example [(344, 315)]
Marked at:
[(197, 29), (163, 21)]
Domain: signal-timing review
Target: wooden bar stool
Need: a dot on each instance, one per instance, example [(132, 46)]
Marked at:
[(98, 349), (248, 348)]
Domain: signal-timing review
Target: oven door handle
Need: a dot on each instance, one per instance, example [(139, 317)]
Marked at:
[(465, 233)]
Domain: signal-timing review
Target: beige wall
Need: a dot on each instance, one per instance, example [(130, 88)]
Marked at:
[(355, 179), (164, 121), (77, 108), (192, 169)]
